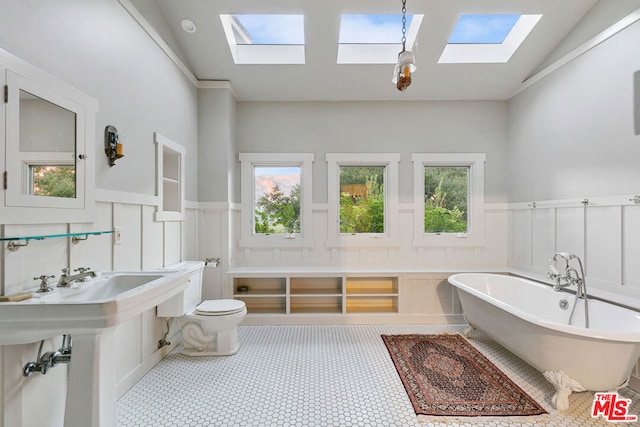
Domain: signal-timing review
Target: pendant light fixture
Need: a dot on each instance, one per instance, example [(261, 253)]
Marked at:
[(406, 61)]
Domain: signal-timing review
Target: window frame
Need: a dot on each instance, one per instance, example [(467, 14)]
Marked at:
[(248, 161), (390, 236), (475, 202)]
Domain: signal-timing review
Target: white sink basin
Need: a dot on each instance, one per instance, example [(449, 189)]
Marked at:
[(89, 311), (87, 307)]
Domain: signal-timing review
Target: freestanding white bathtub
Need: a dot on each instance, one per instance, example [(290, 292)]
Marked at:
[(526, 317)]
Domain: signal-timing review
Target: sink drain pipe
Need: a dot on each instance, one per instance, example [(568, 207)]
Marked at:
[(49, 359)]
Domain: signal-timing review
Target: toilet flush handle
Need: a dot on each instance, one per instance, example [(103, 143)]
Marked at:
[(214, 261)]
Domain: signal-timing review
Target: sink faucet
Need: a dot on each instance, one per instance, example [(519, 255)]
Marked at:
[(66, 280), (570, 277)]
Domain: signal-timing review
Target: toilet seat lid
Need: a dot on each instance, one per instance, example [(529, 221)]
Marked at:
[(220, 307)]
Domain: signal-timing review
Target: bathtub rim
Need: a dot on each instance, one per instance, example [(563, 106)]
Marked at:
[(608, 335)]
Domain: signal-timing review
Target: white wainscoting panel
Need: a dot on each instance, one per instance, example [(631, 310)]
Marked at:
[(97, 251), (520, 238), (172, 242), (631, 246), (152, 239), (603, 260), (428, 294), (190, 235), (542, 238), (127, 255)]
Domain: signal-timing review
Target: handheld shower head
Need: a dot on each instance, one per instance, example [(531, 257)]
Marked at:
[(566, 256)]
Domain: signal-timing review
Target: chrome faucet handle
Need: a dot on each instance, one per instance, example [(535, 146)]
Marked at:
[(44, 285), (82, 269), (65, 271)]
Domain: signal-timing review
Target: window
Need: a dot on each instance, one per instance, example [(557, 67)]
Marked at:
[(362, 199), (363, 194), (446, 194), (276, 199), (449, 198), (52, 180)]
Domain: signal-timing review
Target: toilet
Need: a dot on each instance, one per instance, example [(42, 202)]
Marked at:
[(208, 328)]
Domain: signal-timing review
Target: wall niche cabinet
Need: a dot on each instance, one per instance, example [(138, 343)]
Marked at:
[(170, 157)]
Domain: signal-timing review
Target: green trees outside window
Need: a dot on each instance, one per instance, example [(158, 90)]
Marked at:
[(277, 200), (446, 192), (54, 181), (362, 199)]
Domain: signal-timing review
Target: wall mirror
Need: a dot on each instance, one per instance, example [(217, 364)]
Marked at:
[(49, 127), (45, 146)]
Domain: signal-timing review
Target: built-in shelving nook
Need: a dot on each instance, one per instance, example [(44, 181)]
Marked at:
[(170, 163), (315, 294)]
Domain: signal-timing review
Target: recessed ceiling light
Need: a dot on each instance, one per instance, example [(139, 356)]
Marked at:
[(188, 26)]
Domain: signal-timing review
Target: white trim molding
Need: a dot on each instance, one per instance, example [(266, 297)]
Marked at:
[(390, 237), (475, 234), (248, 238)]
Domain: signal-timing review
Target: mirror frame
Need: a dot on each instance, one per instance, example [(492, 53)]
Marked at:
[(17, 207)]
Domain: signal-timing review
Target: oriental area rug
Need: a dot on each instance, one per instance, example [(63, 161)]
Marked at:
[(444, 375)]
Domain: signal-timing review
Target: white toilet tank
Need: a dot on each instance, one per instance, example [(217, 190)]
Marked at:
[(185, 301)]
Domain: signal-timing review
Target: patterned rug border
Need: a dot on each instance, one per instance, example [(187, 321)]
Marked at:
[(404, 370)]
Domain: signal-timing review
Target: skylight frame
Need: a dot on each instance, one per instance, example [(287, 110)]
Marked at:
[(484, 53), (378, 53), (248, 53)]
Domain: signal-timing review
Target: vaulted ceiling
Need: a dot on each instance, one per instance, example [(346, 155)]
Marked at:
[(207, 55)]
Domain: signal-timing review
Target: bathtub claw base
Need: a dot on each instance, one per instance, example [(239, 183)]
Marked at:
[(564, 386), (467, 332)]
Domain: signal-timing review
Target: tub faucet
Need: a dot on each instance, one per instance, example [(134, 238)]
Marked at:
[(65, 280), (570, 277)]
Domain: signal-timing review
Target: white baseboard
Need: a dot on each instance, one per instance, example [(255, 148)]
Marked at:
[(349, 319)]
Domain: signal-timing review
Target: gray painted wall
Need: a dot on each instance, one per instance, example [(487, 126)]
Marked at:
[(378, 127), (216, 153), (97, 47), (571, 135)]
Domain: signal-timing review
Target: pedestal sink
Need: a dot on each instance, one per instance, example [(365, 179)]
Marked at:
[(89, 312)]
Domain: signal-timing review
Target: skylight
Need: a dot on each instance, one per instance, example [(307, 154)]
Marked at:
[(265, 39), (374, 39), (272, 29), (487, 38), (483, 29), (379, 29)]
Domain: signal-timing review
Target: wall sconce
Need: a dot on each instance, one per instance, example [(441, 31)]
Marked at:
[(112, 145)]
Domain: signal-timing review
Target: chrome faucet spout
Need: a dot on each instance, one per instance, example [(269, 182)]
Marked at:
[(66, 280), (571, 276)]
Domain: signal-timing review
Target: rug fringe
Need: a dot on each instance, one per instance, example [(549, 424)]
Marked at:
[(514, 421)]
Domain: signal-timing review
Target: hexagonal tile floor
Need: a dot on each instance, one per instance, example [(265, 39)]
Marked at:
[(338, 375)]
